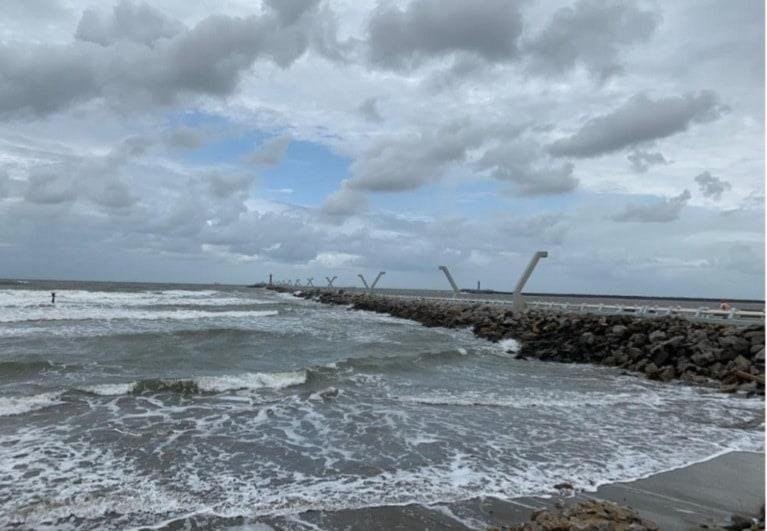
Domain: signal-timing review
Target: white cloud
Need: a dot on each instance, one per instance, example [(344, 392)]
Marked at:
[(126, 127)]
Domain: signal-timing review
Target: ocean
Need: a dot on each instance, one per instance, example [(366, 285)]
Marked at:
[(193, 407)]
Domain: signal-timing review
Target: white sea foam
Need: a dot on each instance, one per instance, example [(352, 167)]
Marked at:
[(63, 313), (114, 389), (30, 297), (251, 380), (214, 384), (509, 345), (16, 405), (561, 400)]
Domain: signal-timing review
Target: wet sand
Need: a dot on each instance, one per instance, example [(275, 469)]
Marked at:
[(705, 493)]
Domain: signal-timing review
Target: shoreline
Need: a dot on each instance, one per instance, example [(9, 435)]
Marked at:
[(659, 348), (706, 493)]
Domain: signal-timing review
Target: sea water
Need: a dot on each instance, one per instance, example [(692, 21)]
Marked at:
[(125, 405)]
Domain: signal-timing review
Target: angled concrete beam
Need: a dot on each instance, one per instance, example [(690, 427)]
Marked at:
[(444, 269), (364, 282), (309, 281), (373, 285), (330, 281), (518, 303)]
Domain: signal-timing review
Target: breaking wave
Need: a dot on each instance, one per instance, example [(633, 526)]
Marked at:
[(202, 384), (16, 405), (62, 313)]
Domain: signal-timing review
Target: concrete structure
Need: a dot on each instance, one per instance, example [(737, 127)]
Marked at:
[(372, 286), (330, 281), (518, 303), (456, 291)]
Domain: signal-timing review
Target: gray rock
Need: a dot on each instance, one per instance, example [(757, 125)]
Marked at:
[(734, 344), (674, 342), (587, 338), (660, 356), (741, 363), (651, 369), (703, 358), (657, 336), (619, 330), (748, 387), (637, 339), (667, 374), (737, 523), (682, 364)]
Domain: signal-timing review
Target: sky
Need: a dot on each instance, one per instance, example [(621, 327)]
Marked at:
[(224, 140)]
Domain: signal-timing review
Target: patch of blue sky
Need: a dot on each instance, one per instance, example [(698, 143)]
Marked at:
[(310, 171)]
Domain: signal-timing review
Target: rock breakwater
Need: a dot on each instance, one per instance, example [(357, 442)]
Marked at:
[(660, 348)]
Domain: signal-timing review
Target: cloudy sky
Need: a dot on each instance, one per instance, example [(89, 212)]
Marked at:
[(221, 140)]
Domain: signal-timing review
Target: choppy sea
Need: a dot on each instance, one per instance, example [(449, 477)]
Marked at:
[(129, 406)]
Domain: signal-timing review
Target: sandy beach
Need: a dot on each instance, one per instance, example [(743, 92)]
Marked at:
[(702, 494)]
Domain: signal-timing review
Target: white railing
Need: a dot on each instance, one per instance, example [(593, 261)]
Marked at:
[(733, 315), (692, 313)]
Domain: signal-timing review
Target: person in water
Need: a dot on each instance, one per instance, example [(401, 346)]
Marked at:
[(53, 297)]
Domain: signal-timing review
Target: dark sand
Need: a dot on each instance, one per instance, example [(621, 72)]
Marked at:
[(683, 499)]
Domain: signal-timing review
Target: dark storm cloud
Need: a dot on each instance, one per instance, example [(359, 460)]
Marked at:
[(408, 161), (591, 33), (289, 11), (663, 211), (712, 187), (640, 119), (49, 186), (137, 54), (641, 160), (522, 164), (97, 180), (428, 29), (344, 202), (128, 21)]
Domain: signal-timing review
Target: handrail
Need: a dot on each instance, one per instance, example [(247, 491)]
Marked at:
[(708, 314)]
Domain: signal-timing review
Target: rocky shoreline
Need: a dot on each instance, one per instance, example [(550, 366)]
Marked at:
[(660, 348)]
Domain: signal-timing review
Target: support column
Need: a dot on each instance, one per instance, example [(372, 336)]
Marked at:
[(373, 285), (518, 303), (456, 291)]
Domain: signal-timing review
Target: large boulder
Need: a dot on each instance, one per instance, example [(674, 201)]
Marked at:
[(589, 515)]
